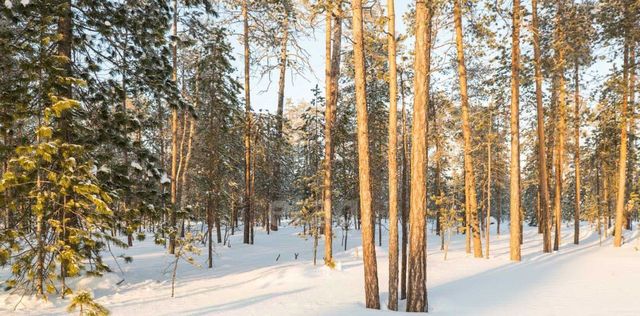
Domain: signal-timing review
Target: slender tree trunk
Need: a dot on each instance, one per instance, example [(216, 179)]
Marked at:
[(438, 184), (234, 213), (404, 195), (499, 210), (622, 162), (252, 191), (605, 188), (576, 211), (599, 209), (209, 233), (247, 133), (631, 164), (192, 130), (174, 137), (40, 235), (417, 291), (326, 188), (514, 191), (332, 71), (467, 220), (218, 228), (470, 182), (368, 248), (393, 163), (273, 223), (488, 223), (560, 129), (542, 157)]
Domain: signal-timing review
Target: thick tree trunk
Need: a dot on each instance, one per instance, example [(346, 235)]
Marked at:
[(368, 248), (247, 133), (470, 182), (543, 185), (417, 290), (514, 191), (576, 210), (622, 162), (392, 156)]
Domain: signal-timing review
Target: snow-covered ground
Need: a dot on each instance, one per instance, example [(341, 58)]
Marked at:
[(589, 279)]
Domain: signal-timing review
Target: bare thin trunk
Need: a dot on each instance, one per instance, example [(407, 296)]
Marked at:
[(247, 133), (576, 211), (470, 182), (332, 72), (631, 164), (560, 128), (622, 162), (273, 225), (543, 187), (488, 223), (174, 137), (404, 195), (209, 233)]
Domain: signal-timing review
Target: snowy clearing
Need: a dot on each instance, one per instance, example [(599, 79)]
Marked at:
[(588, 279)]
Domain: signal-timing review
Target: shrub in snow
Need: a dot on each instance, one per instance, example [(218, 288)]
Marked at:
[(87, 306)]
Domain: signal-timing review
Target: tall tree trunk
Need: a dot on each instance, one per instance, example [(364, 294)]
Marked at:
[(328, 118), (247, 133), (332, 72), (192, 130), (470, 182), (284, 41), (393, 164), (560, 128), (404, 195), (368, 248), (543, 185), (40, 234), (488, 223), (438, 181), (514, 188), (209, 233), (174, 137), (417, 290), (631, 164), (605, 188), (622, 162), (576, 210)]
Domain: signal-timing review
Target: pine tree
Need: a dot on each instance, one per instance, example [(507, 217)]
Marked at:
[(514, 190), (392, 158), (417, 277), (368, 248), (470, 187)]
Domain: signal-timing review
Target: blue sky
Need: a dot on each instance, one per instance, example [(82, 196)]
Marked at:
[(297, 88)]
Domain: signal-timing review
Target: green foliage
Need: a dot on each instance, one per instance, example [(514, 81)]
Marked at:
[(53, 180), (83, 302)]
